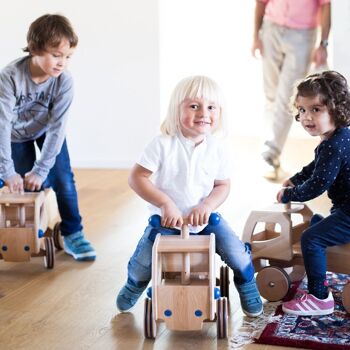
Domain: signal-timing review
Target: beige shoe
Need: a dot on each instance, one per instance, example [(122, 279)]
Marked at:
[(272, 170)]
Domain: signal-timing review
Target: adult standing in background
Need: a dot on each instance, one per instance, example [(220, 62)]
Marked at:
[(285, 34)]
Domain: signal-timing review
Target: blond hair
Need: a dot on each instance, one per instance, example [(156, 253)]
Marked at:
[(194, 87)]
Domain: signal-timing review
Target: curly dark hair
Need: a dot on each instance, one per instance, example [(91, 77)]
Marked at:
[(332, 89), (49, 30)]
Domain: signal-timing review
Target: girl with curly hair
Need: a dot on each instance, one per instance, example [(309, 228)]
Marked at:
[(322, 102)]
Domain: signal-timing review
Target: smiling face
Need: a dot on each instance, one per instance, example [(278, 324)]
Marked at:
[(51, 62), (198, 117), (314, 117)]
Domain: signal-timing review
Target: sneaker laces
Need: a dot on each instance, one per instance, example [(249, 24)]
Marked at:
[(130, 300), (77, 240), (301, 295), (77, 243)]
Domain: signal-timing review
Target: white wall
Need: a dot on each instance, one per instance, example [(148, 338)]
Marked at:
[(124, 45), (213, 38), (341, 35), (115, 69)]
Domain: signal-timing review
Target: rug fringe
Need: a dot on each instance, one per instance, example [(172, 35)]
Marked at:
[(251, 328)]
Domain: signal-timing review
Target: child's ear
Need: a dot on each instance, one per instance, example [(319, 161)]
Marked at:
[(36, 52)]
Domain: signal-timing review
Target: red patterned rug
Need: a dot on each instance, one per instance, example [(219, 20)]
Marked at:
[(318, 332)]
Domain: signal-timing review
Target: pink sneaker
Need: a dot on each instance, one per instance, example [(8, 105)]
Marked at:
[(309, 305)]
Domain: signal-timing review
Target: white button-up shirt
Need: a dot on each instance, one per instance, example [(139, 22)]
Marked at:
[(185, 172)]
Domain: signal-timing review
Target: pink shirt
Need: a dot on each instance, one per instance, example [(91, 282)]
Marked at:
[(297, 14)]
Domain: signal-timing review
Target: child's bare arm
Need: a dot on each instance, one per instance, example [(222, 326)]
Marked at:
[(200, 214), (139, 181)]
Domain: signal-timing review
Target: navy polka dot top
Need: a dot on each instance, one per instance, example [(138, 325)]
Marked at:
[(329, 171)]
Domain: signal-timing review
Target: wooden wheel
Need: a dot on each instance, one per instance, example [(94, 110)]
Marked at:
[(49, 258), (225, 281), (57, 238), (222, 318), (297, 273), (149, 324), (346, 297), (273, 283)]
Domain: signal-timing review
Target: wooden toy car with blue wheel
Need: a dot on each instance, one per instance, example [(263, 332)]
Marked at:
[(184, 292), (23, 224), (276, 249)]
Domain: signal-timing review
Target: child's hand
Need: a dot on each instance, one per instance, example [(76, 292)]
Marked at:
[(15, 183), (32, 181), (280, 195), (287, 183), (171, 215), (199, 215)]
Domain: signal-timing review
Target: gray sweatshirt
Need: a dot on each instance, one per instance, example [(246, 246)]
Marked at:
[(28, 110)]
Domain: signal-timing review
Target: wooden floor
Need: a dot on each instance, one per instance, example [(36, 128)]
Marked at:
[(73, 306)]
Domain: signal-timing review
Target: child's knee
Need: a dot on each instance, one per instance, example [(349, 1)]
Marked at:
[(152, 234), (308, 237), (315, 219)]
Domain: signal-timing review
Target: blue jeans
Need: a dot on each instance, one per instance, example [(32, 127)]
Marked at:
[(60, 178), (230, 248), (324, 232)]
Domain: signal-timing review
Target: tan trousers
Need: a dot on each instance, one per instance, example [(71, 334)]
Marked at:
[(286, 59)]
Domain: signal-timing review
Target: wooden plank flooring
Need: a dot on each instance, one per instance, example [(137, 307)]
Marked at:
[(73, 306)]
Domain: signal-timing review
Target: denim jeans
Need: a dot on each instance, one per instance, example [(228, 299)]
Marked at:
[(230, 248), (325, 232), (60, 178)]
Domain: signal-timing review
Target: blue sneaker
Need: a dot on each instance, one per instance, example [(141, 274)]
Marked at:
[(250, 298), (79, 247), (128, 297)]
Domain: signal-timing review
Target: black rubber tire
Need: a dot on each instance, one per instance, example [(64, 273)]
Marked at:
[(56, 234), (222, 318), (225, 282), (49, 258), (149, 325)]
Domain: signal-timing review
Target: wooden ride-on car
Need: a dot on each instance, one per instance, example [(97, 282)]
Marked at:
[(183, 292), (274, 249), (23, 223)]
